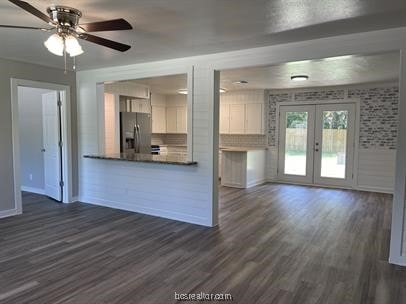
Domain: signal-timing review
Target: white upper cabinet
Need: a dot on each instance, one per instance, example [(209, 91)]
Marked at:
[(176, 119), (224, 118), (181, 119), (140, 106), (171, 121), (237, 118), (129, 89), (242, 112), (158, 119), (254, 121)]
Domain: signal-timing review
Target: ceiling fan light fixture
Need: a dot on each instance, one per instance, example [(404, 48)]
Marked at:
[(72, 46), (55, 44)]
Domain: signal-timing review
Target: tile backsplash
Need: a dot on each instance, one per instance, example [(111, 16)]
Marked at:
[(242, 140), (225, 140), (169, 139)]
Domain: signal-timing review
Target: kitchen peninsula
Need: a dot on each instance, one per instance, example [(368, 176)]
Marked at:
[(170, 159)]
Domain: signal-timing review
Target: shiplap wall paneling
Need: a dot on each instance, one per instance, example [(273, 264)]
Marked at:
[(376, 169)]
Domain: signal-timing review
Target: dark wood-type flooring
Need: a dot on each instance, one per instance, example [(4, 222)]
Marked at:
[(275, 244)]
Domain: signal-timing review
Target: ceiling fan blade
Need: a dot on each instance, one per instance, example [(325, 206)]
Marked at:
[(26, 27), (109, 25), (32, 10), (106, 42)]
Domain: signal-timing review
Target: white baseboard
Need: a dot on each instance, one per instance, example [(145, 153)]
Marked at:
[(374, 189), (359, 188), (75, 199), (149, 211), (256, 182), (398, 260), (7, 213), (33, 190)]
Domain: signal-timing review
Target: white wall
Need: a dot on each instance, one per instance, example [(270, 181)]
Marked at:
[(176, 192), (13, 69), (374, 168), (31, 138), (202, 185)]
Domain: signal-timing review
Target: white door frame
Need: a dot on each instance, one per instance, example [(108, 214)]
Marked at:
[(308, 177), (355, 101), (349, 155), (66, 136)]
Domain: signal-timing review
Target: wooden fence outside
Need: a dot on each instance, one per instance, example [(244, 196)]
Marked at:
[(334, 140)]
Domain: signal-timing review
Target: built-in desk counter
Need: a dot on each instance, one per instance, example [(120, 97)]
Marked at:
[(145, 158)]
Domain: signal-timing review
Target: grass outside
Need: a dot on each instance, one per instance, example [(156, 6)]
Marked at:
[(331, 164)]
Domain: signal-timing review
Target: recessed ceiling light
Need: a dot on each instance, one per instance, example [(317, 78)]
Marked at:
[(184, 91), (338, 58), (299, 78), (240, 82)]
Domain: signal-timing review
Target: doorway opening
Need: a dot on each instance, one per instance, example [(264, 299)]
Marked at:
[(316, 143), (41, 140)]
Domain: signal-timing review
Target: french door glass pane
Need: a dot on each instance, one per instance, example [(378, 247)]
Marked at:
[(334, 144), (296, 143)]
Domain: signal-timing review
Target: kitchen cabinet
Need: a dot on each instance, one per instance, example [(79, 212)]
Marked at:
[(237, 118), (254, 121), (128, 89), (176, 119), (140, 106), (158, 119), (242, 167), (242, 118), (171, 124), (224, 118), (181, 120)]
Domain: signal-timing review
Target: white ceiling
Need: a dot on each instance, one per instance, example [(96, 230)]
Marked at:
[(177, 28), (345, 70), (166, 85)]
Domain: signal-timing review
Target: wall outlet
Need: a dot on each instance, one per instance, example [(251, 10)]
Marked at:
[(30, 177)]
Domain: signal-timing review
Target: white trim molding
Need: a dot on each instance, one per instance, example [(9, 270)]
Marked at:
[(8, 213), (397, 248)]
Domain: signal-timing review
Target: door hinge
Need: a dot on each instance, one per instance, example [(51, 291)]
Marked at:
[(60, 144), (61, 183), (59, 103)]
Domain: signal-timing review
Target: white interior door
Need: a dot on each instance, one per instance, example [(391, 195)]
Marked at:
[(296, 137), (51, 149), (334, 144), (316, 144)]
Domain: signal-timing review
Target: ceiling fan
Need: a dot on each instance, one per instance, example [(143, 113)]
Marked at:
[(65, 22)]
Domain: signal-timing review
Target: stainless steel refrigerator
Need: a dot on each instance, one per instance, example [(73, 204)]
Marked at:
[(135, 133)]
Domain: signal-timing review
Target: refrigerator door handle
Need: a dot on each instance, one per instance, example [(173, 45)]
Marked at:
[(135, 138), (139, 139)]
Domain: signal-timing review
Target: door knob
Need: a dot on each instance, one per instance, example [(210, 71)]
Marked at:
[(43, 150)]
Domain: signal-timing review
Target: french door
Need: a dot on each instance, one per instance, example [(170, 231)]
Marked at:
[(316, 144)]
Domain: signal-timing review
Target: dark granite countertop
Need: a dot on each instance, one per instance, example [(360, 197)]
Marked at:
[(145, 158)]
